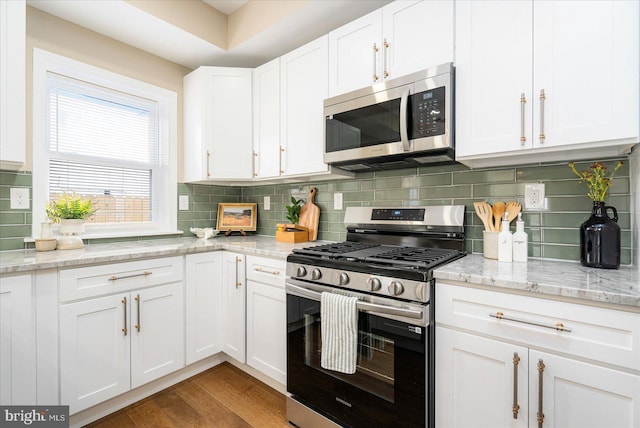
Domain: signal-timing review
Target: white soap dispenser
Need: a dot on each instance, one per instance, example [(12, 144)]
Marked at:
[(520, 242), (505, 241)]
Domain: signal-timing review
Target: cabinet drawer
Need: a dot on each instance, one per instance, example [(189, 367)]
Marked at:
[(268, 271), (598, 334), (81, 283)]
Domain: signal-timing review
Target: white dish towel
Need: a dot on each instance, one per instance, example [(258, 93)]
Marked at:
[(339, 324)]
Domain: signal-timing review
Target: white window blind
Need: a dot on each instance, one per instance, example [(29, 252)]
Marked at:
[(103, 144)]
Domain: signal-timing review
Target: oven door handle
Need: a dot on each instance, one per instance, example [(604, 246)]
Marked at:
[(363, 306)]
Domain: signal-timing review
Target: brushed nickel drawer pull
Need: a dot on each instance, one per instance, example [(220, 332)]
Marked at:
[(543, 97), (557, 326), (238, 283), (272, 272), (386, 67), (138, 305), (115, 278), (375, 70), (523, 101)]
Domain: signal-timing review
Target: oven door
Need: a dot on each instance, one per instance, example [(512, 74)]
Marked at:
[(390, 383)]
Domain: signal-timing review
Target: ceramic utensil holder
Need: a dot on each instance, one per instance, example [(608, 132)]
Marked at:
[(490, 244)]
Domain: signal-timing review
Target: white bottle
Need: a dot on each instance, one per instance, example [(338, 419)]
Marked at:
[(520, 242), (505, 242)]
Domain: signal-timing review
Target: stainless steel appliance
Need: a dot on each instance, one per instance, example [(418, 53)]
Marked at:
[(402, 122), (387, 262)]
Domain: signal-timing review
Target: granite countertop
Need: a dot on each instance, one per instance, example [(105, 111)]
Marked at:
[(28, 260), (547, 277)]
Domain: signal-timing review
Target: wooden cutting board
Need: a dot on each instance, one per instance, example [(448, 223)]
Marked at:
[(310, 215)]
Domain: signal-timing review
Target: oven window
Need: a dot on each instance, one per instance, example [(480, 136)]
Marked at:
[(375, 363)]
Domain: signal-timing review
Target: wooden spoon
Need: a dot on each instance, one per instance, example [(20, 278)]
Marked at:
[(513, 208), (483, 210), (498, 212)]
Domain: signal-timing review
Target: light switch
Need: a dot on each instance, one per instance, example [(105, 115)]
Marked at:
[(183, 202), (19, 198), (267, 203), (337, 201)]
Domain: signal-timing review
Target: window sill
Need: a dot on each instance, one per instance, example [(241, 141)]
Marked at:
[(116, 235)]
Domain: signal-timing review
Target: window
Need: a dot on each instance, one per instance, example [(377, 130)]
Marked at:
[(104, 136)]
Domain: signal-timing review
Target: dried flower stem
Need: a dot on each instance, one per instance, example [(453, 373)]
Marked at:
[(596, 179)]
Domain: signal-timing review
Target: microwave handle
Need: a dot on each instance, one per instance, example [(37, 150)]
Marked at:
[(404, 125)]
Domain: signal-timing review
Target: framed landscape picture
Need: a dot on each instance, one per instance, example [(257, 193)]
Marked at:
[(237, 217)]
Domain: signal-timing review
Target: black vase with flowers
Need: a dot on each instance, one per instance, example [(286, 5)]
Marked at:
[(600, 234)]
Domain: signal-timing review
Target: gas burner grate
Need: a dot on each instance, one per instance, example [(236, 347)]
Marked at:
[(416, 256), (328, 250)]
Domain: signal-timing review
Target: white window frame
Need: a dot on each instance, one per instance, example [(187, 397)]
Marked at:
[(165, 215)]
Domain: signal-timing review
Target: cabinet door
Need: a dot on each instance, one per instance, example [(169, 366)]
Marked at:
[(354, 54), (203, 305), (12, 83), (233, 305), (493, 70), (17, 342), (588, 68), (94, 350), (217, 124), (303, 87), (478, 380), (157, 332), (417, 35), (267, 329), (581, 395), (266, 119)]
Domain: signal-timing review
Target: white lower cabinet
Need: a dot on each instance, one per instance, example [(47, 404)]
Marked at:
[(267, 317), (17, 341), (233, 305), (113, 343), (518, 369), (203, 295)]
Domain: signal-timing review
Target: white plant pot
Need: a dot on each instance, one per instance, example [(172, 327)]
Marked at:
[(71, 227)]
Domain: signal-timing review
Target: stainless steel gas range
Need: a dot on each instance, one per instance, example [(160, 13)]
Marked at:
[(387, 263)]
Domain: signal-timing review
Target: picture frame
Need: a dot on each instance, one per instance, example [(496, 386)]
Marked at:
[(237, 217)]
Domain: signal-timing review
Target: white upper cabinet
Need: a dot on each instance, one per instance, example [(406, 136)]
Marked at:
[(12, 83), (303, 88), (266, 120), (533, 80), (400, 38), (217, 124)]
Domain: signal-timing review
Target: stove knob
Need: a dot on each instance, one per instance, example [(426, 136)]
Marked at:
[(396, 288), (374, 284), (343, 278), (316, 274), (302, 271)]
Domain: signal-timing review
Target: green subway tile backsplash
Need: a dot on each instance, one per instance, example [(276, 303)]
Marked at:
[(553, 232)]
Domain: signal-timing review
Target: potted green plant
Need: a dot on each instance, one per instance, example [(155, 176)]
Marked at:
[(293, 210), (70, 211)]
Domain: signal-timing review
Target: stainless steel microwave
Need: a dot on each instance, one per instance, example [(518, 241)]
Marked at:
[(407, 121)]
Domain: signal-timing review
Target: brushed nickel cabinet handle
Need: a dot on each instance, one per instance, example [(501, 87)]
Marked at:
[(115, 278), (137, 298), (124, 302), (540, 415), (386, 67), (516, 406), (375, 68), (208, 157), (557, 326), (523, 136), (543, 97)]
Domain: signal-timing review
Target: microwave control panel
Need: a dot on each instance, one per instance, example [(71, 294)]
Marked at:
[(428, 115)]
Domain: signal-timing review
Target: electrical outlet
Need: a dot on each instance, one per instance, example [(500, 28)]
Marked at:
[(19, 198), (183, 202), (337, 201), (534, 196), (267, 203)]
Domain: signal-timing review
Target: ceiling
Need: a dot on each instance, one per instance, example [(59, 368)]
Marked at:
[(133, 23)]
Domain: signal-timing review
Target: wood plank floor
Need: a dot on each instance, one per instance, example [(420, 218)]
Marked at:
[(223, 396)]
